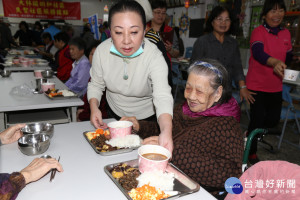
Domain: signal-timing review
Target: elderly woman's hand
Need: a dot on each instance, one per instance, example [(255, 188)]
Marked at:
[(247, 95), (11, 134), (38, 168), (136, 125)]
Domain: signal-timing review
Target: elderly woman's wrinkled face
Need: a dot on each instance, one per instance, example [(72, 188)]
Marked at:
[(199, 94), (221, 24), (127, 32)]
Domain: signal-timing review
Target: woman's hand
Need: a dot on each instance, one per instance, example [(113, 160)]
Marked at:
[(168, 46), (38, 168), (165, 140), (96, 119), (165, 136), (247, 95), (278, 66), (151, 140), (96, 115), (136, 125), (11, 134)]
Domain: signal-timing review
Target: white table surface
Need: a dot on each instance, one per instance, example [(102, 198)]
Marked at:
[(11, 102), (83, 176), (24, 69)]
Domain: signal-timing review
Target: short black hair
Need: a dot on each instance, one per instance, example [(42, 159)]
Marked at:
[(46, 35), (216, 12), (105, 24), (270, 4), (127, 5), (78, 42), (95, 44), (158, 4), (62, 36), (24, 24)]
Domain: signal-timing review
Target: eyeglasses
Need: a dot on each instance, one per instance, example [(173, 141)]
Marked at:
[(159, 13), (220, 20)]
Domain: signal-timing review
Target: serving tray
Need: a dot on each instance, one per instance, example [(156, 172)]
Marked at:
[(182, 183), (108, 153), (61, 97)]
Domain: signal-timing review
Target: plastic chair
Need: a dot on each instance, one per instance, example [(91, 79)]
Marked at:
[(288, 112)]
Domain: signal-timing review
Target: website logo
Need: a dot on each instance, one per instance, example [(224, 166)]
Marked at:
[(233, 186)]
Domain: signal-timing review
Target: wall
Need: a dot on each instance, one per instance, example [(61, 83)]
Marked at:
[(88, 8), (194, 12)]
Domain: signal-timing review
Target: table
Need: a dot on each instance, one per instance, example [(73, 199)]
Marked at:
[(26, 69), (11, 102), (83, 176)]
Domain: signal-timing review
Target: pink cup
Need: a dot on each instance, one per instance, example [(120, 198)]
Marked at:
[(147, 165), (38, 73), (31, 61), (16, 61), (119, 128), (25, 63), (47, 86)]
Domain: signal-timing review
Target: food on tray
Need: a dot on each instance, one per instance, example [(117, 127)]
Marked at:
[(126, 176), (53, 93), (129, 141), (154, 156), (162, 180), (59, 93), (147, 192), (67, 93), (140, 185), (28, 52), (99, 138)]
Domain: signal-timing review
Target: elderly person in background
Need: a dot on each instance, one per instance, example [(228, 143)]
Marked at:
[(50, 49), (62, 57), (208, 143), (133, 72), (80, 73), (12, 184), (219, 45)]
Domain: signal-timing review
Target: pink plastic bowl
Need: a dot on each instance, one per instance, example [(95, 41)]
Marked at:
[(119, 128), (38, 73), (46, 86), (147, 165)]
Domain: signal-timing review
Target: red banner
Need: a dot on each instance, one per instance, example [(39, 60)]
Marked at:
[(42, 9)]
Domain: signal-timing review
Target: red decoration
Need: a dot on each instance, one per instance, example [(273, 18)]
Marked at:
[(187, 3), (42, 9)]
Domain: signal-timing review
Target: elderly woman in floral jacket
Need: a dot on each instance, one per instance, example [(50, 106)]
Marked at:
[(208, 144)]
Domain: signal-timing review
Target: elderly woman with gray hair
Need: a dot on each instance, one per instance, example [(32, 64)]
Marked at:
[(208, 144)]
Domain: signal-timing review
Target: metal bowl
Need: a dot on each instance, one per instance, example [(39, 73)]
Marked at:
[(34, 144), (47, 74), (39, 128), (5, 73)]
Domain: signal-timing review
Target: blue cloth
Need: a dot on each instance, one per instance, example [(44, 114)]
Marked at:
[(52, 30), (80, 76)]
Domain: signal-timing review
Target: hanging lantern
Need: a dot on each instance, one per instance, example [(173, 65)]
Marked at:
[(187, 3), (105, 8)]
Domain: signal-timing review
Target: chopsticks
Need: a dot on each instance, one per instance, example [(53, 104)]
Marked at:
[(53, 172)]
